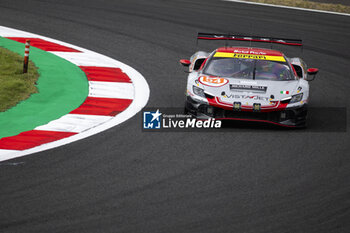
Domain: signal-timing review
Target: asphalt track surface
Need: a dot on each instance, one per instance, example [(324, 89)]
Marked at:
[(246, 179)]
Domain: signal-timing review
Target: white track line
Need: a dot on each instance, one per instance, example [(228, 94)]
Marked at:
[(87, 58), (111, 90), (288, 7), (86, 125), (76, 123)]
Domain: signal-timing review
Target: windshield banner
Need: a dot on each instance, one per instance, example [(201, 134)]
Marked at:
[(250, 56)]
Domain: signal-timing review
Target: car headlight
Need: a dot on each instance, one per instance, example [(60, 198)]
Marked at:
[(198, 91), (296, 98)]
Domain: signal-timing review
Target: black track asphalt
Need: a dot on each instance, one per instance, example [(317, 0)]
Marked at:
[(250, 179)]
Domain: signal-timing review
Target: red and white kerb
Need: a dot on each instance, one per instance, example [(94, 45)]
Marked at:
[(112, 98)]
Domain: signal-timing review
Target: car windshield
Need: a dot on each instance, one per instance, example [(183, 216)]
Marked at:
[(249, 69)]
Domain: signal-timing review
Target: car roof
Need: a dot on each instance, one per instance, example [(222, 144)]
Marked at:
[(250, 50)]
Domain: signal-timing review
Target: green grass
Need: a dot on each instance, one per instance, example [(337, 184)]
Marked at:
[(14, 85), (308, 4)]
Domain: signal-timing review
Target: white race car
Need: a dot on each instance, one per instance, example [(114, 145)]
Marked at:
[(251, 84)]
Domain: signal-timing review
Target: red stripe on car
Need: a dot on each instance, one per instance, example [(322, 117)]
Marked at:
[(256, 120), (277, 106)]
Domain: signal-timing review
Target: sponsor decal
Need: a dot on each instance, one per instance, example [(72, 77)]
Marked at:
[(213, 81), (252, 97), (247, 87), (284, 92), (250, 56), (256, 107), (299, 89), (249, 52), (237, 106)]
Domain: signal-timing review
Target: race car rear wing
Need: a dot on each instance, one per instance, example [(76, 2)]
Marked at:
[(272, 40)]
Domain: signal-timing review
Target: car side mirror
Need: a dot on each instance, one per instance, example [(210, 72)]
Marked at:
[(185, 62), (312, 72)]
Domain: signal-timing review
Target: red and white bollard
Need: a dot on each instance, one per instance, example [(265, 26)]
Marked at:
[(26, 56)]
